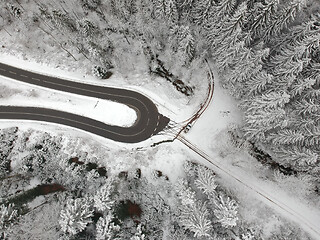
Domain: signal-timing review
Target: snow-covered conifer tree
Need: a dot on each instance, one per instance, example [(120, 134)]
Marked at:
[(256, 126), (86, 28), (258, 83), (76, 215), (287, 137), (283, 18), (196, 219), (171, 10), (99, 72), (184, 193), (106, 228), (205, 180), (307, 107), (226, 211), (224, 9), (14, 10), (226, 36), (91, 4), (194, 215), (236, 21), (296, 34), (7, 215), (290, 61), (159, 8), (268, 101), (300, 158), (262, 15), (263, 113), (102, 199), (185, 43), (138, 235), (301, 85), (166, 10), (242, 65), (202, 11), (63, 21)]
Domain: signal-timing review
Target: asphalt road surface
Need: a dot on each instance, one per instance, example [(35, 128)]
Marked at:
[(149, 121)]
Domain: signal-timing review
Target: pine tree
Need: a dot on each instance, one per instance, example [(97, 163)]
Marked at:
[(290, 61), (256, 126), (193, 216), (313, 93), (308, 107), (202, 11), (224, 9), (186, 44), (185, 194), (166, 9), (258, 82), (138, 235), (283, 18), (263, 113), (262, 15), (287, 137), (76, 215), (248, 235), (102, 199), (105, 228), (267, 101), (87, 28), (236, 21), (99, 72), (91, 4), (242, 66), (196, 219), (226, 211), (300, 158), (224, 47), (226, 37), (7, 215), (184, 8), (159, 9), (312, 136), (296, 34), (63, 21), (301, 85), (14, 10), (171, 10), (205, 180)]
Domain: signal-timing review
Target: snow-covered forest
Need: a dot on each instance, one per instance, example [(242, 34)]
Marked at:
[(267, 55), (57, 187)]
